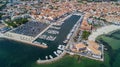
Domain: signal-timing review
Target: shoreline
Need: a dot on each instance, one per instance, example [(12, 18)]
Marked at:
[(41, 46), (103, 30)]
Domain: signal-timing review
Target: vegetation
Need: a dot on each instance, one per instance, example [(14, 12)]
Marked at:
[(85, 35), (99, 18), (80, 1), (117, 4), (1, 15), (16, 22), (11, 24), (21, 21)]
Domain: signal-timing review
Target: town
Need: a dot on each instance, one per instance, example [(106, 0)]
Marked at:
[(71, 25)]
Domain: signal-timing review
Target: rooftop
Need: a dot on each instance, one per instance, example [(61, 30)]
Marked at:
[(94, 47)]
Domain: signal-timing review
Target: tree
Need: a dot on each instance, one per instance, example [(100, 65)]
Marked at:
[(85, 35)]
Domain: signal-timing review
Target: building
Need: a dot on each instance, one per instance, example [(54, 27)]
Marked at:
[(79, 47), (90, 49), (93, 47)]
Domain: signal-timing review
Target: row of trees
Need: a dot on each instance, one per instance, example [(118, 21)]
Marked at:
[(16, 22), (84, 35), (99, 18)]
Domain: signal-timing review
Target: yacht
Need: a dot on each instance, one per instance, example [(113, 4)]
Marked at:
[(56, 53), (51, 57)]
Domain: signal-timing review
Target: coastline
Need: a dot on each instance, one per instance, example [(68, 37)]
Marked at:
[(98, 32), (41, 46), (103, 30)]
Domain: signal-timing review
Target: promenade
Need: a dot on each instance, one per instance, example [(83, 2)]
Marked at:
[(103, 30), (27, 42)]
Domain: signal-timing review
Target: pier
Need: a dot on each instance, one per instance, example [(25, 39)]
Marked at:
[(39, 61)]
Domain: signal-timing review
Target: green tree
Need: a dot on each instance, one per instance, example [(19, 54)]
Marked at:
[(85, 35)]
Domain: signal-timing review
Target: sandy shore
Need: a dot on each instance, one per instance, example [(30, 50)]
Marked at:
[(103, 30)]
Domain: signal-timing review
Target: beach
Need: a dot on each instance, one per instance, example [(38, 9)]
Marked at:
[(103, 30)]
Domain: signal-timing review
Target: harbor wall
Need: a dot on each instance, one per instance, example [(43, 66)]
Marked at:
[(21, 38)]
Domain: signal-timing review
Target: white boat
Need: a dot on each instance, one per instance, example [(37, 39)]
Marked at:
[(61, 47), (69, 35), (44, 44), (50, 57), (35, 42), (46, 57), (59, 52), (65, 41), (56, 53)]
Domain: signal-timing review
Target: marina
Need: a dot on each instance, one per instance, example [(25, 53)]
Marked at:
[(50, 37), (54, 38)]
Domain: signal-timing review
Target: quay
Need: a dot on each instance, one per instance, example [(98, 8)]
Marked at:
[(33, 44), (39, 61)]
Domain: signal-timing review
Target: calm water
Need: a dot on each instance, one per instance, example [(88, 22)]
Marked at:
[(16, 54), (63, 32), (112, 43)]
